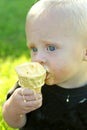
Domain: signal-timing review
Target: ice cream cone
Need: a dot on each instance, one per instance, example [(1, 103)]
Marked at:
[(31, 75)]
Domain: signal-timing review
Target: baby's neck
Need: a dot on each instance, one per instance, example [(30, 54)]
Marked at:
[(72, 85)]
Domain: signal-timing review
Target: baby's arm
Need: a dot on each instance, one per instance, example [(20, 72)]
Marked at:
[(15, 108)]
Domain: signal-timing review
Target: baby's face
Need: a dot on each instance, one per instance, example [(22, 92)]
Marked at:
[(51, 44)]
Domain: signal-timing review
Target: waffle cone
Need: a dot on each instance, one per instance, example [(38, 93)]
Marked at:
[(31, 75)]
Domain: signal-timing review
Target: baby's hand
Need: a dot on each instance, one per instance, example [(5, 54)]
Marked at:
[(25, 100)]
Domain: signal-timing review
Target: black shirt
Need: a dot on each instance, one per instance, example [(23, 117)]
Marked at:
[(62, 109)]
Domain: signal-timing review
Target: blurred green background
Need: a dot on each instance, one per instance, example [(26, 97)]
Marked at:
[(13, 49)]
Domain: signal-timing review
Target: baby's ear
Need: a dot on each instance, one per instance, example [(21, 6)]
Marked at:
[(85, 54)]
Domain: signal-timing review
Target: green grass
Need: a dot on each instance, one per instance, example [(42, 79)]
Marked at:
[(13, 49)]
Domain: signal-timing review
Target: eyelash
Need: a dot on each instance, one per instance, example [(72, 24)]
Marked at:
[(49, 48), (34, 49)]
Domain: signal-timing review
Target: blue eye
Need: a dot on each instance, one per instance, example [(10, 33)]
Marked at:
[(51, 48), (34, 49)]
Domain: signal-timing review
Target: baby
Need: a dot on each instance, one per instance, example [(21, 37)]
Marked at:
[(56, 32)]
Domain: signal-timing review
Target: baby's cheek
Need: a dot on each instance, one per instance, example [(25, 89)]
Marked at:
[(62, 73)]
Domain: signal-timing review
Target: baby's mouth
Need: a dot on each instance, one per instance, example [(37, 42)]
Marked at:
[(47, 71), (46, 68), (46, 75)]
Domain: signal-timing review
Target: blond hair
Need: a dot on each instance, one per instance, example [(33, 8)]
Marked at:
[(75, 10)]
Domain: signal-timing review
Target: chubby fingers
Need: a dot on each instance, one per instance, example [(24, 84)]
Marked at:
[(30, 95), (31, 100), (34, 104)]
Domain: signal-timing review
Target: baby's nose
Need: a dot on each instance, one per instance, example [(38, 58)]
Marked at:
[(40, 58)]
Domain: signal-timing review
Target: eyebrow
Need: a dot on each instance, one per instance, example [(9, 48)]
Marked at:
[(30, 44), (51, 42)]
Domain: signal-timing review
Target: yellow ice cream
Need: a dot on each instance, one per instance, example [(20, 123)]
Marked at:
[(31, 75)]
